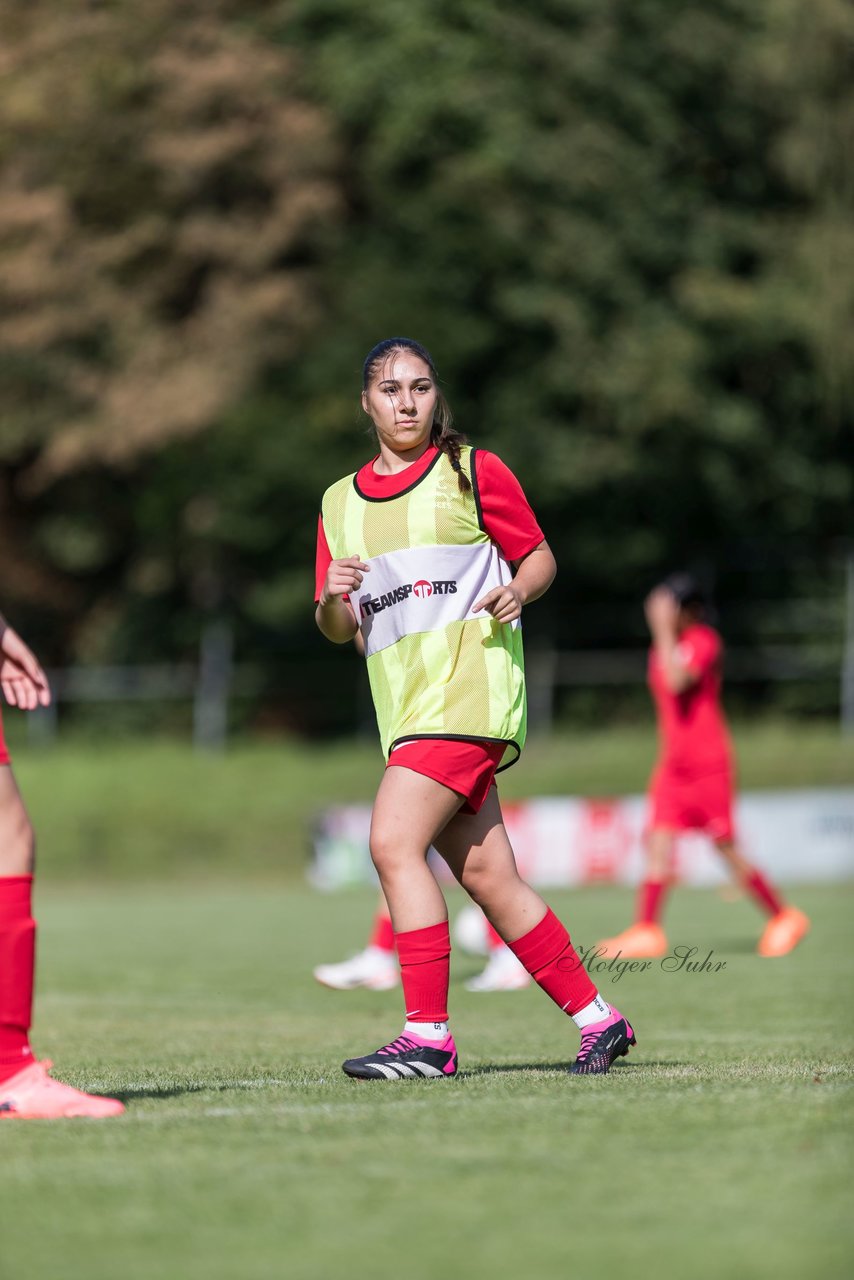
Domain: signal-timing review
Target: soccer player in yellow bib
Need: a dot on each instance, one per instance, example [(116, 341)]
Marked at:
[(416, 551)]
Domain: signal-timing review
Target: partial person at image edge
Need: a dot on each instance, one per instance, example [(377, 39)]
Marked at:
[(27, 1091)]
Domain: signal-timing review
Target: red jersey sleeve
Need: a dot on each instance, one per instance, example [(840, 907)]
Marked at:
[(699, 650), (322, 559), (505, 512)]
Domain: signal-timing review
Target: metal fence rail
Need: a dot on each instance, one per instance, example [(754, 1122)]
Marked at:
[(804, 641), (215, 682)]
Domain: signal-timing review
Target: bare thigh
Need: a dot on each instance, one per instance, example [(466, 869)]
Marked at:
[(17, 846), (409, 812), (479, 853)]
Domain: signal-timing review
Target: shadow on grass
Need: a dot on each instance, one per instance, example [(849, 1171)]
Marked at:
[(741, 946), (178, 1090), (511, 1068)]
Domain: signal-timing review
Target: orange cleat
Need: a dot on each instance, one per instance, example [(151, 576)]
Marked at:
[(638, 942), (33, 1095), (783, 932)]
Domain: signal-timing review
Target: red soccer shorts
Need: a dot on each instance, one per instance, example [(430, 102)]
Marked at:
[(4, 750), (466, 767), (700, 803)]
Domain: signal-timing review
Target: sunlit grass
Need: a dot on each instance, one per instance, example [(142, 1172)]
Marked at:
[(718, 1148)]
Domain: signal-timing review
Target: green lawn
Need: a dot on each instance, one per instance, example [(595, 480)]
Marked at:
[(717, 1149), (154, 808)]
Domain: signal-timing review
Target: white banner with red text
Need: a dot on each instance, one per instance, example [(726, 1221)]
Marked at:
[(805, 836)]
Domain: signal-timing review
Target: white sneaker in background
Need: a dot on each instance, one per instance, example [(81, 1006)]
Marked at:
[(372, 968), (502, 973)]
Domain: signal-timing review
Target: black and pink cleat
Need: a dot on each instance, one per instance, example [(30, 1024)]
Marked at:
[(407, 1057), (601, 1043)]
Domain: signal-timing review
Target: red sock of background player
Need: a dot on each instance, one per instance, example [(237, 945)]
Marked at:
[(650, 902), (425, 967), (494, 940), (759, 889), (382, 935), (554, 964), (17, 967)]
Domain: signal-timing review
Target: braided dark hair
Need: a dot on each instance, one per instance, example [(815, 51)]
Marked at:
[(442, 434)]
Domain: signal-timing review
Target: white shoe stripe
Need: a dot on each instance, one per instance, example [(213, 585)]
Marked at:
[(406, 1070)]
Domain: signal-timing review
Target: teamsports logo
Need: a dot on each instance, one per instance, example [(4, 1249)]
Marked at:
[(422, 590)]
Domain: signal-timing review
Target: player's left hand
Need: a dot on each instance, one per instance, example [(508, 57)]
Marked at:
[(22, 679), (503, 603)]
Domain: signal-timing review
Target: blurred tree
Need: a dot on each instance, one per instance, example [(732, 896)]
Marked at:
[(624, 231), (611, 225), (164, 199)]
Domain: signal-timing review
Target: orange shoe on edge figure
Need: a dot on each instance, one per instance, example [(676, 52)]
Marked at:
[(33, 1095), (638, 942), (783, 932)]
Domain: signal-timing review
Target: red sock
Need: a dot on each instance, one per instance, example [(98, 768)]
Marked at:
[(554, 964), (761, 890), (649, 902), (17, 967), (382, 935), (425, 966), (494, 939)]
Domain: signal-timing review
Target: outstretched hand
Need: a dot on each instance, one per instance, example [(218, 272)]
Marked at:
[(22, 679), (503, 603)]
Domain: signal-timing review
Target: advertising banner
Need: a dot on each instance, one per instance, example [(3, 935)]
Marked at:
[(563, 841)]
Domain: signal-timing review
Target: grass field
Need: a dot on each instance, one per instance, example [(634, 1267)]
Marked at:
[(176, 950), (717, 1149)]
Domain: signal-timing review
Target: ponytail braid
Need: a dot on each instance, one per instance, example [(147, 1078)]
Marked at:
[(445, 438)]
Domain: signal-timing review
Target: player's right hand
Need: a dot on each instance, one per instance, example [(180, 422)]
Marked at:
[(22, 679), (662, 610), (342, 577)]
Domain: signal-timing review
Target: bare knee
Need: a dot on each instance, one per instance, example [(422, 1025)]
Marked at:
[(659, 850), (734, 858), (484, 883), (390, 855)]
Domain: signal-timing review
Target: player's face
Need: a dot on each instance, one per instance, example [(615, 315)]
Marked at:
[(401, 400)]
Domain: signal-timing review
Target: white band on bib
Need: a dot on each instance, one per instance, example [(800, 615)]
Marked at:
[(424, 589)]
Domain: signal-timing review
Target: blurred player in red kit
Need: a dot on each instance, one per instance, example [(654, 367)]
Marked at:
[(692, 787), (27, 1092)]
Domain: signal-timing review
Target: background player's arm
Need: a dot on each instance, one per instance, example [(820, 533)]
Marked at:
[(662, 615), (534, 574), (334, 615), (22, 680)]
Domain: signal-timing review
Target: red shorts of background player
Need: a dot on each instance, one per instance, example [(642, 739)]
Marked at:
[(701, 803), (466, 767), (4, 750)]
